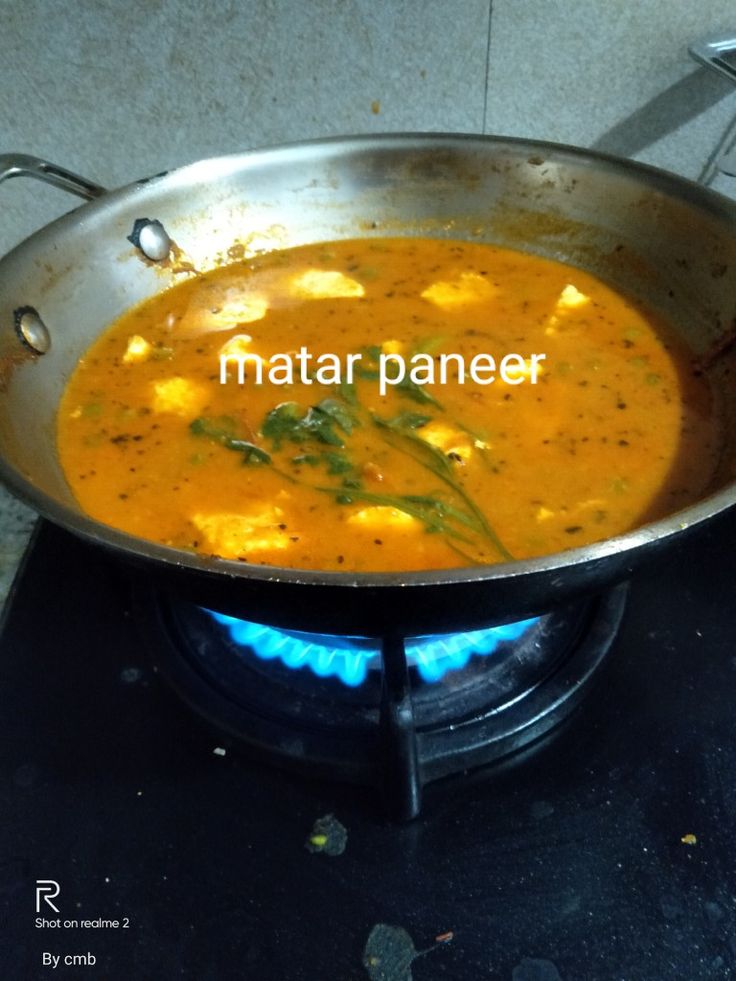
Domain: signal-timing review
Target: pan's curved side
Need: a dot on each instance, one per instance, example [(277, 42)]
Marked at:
[(654, 235)]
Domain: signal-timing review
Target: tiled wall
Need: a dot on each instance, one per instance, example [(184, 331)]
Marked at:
[(614, 74), (120, 90)]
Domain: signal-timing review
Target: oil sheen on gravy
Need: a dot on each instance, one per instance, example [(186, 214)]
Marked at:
[(616, 431)]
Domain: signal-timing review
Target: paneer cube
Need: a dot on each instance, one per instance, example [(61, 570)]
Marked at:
[(238, 308), (571, 298), (239, 346), (526, 370), (469, 287), (179, 396), (325, 284), (448, 439), (393, 347), (138, 350), (234, 536), (380, 517)]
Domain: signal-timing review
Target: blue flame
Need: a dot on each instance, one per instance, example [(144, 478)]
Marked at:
[(349, 658)]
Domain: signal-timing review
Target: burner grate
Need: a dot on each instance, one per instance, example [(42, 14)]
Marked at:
[(395, 712)]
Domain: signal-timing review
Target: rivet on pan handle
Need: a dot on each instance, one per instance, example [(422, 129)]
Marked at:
[(29, 326), (719, 53), (21, 165)]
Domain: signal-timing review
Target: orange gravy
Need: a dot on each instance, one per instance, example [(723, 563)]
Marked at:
[(614, 431)]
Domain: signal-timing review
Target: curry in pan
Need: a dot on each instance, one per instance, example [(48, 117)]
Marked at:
[(386, 405)]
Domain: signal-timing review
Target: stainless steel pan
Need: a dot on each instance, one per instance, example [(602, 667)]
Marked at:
[(655, 235)]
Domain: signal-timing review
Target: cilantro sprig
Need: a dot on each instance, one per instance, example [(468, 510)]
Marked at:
[(322, 430), (402, 434), (368, 368), (221, 431), (326, 422)]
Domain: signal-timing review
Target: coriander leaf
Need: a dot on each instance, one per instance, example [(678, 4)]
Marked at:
[(320, 422), (220, 428), (348, 393), (369, 374), (221, 431), (251, 452), (406, 387), (428, 345), (421, 450), (406, 420), (320, 426), (434, 460), (417, 393), (284, 422), (337, 463), (368, 367), (340, 413)]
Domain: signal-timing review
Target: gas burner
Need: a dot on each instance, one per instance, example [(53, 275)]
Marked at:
[(350, 658), (392, 711)]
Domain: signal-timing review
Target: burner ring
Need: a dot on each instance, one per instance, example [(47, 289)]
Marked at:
[(492, 707), (350, 658)]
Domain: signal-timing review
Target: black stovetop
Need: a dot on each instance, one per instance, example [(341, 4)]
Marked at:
[(571, 865)]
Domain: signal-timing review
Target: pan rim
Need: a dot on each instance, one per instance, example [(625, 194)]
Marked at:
[(134, 547)]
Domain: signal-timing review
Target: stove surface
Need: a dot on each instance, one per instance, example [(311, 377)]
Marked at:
[(606, 854)]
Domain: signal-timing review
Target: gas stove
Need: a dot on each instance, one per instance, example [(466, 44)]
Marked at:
[(174, 779), (391, 712)]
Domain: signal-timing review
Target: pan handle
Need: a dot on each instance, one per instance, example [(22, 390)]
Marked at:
[(21, 165), (718, 52)]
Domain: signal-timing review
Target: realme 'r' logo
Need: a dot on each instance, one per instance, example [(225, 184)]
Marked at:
[(47, 889)]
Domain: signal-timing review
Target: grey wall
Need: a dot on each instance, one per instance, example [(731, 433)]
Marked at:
[(120, 90)]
